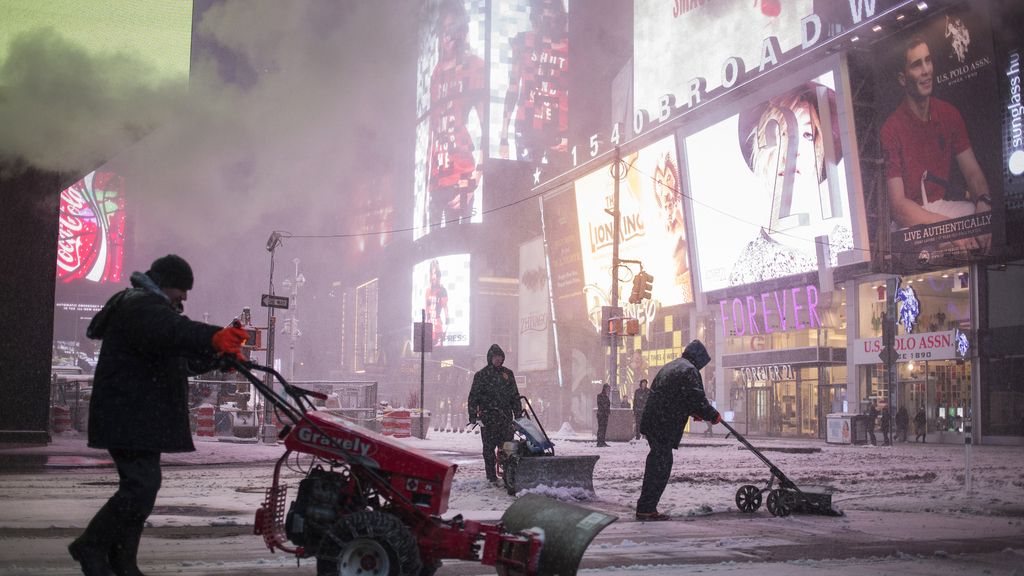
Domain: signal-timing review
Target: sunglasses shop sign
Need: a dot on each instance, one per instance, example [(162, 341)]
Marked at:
[(924, 346)]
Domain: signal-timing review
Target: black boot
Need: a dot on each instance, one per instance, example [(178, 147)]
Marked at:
[(92, 558), (123, 555)]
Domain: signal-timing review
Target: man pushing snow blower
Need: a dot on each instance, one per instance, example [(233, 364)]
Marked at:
[(677, 393), (494, 402)]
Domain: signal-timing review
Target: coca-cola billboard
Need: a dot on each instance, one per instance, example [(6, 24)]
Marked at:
[(90, 240)]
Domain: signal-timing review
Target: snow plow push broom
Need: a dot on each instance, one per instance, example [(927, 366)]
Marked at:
[(370, 505), (785, 499), (529, 460)]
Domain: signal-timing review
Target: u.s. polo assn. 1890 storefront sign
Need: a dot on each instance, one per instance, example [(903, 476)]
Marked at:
[(916, 347)]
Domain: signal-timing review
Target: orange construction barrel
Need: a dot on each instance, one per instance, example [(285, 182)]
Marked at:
[(204, 420), (61, 418), (397, 423)]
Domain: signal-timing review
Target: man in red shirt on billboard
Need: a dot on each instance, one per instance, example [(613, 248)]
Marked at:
[(920, 140)]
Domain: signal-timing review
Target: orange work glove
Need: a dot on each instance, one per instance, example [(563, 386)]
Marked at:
[(696, 418), (717, 419), (229, 341)]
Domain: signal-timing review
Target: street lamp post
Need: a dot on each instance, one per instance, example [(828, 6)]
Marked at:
[(293, 285)]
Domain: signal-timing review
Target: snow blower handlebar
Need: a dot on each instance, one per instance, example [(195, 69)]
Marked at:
[(784, 481)]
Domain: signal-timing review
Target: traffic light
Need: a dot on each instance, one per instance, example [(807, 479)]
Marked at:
[(641, 287), (634, 295), (645, 285)]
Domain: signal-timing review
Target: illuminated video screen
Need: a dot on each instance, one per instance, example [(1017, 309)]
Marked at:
[(441, 287), (757, 208), (91, 229), (451, 104), (652, 228), (529, 98), (677, 42), (949, 187)]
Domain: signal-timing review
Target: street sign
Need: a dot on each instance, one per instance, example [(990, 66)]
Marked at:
[(888, 355), (422, 337), (271, 301)]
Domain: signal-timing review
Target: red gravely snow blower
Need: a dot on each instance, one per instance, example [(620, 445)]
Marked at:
[(371, 505)]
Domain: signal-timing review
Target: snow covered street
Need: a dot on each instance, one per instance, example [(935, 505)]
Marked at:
[(906, 509)]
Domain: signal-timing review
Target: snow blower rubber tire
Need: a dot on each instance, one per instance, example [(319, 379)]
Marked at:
[(369, 544)]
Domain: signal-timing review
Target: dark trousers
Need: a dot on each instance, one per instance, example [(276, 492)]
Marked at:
[(636, 422), (656, 473), (885, 435), (493, 435), (119, 523), (871, 434), (602, 428)]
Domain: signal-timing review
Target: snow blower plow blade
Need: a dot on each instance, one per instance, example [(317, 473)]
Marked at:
[(573, 472), (529, 461), (567, 530)]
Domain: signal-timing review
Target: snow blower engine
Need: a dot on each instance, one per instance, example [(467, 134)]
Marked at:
[(372, 505)]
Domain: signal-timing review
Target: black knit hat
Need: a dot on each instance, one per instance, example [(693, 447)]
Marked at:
[(171, 271)]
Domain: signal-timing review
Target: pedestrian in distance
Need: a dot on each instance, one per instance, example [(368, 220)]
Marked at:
[(677, 393), (920, 426), (886, 424), (604, 409), (494, 403), (139, 404), (639, 402), (871, 415), (902, 423)]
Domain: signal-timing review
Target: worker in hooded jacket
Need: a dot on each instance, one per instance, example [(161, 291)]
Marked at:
[(494, 403), (677, 393)]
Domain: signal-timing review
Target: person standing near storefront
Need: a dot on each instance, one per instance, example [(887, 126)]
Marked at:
[(886, 424), (902, 423), (677, 393), (920, 425), (871, 416), (604, 410), (639, 402)]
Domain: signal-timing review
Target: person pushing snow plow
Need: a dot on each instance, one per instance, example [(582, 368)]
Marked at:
[(677, 393)]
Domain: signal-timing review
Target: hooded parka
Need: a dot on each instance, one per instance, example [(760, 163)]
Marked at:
[(677, 393), (494, 394)]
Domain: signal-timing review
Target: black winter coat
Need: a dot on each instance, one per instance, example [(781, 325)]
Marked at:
[(640, 399), (494, 395), (140, 390), (677, 392), (604, 405)]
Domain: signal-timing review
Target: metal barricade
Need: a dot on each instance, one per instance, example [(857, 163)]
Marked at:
[(239, 413)]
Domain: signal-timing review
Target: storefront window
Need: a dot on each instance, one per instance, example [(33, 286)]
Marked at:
[(931, 376)]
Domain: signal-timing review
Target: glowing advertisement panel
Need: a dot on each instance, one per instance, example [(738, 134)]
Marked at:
[(652, 230), (534, 308), (757, 208), (451, 106), (91, 227), (678, 42), (529, 117), (441, 287), (940, 137)]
